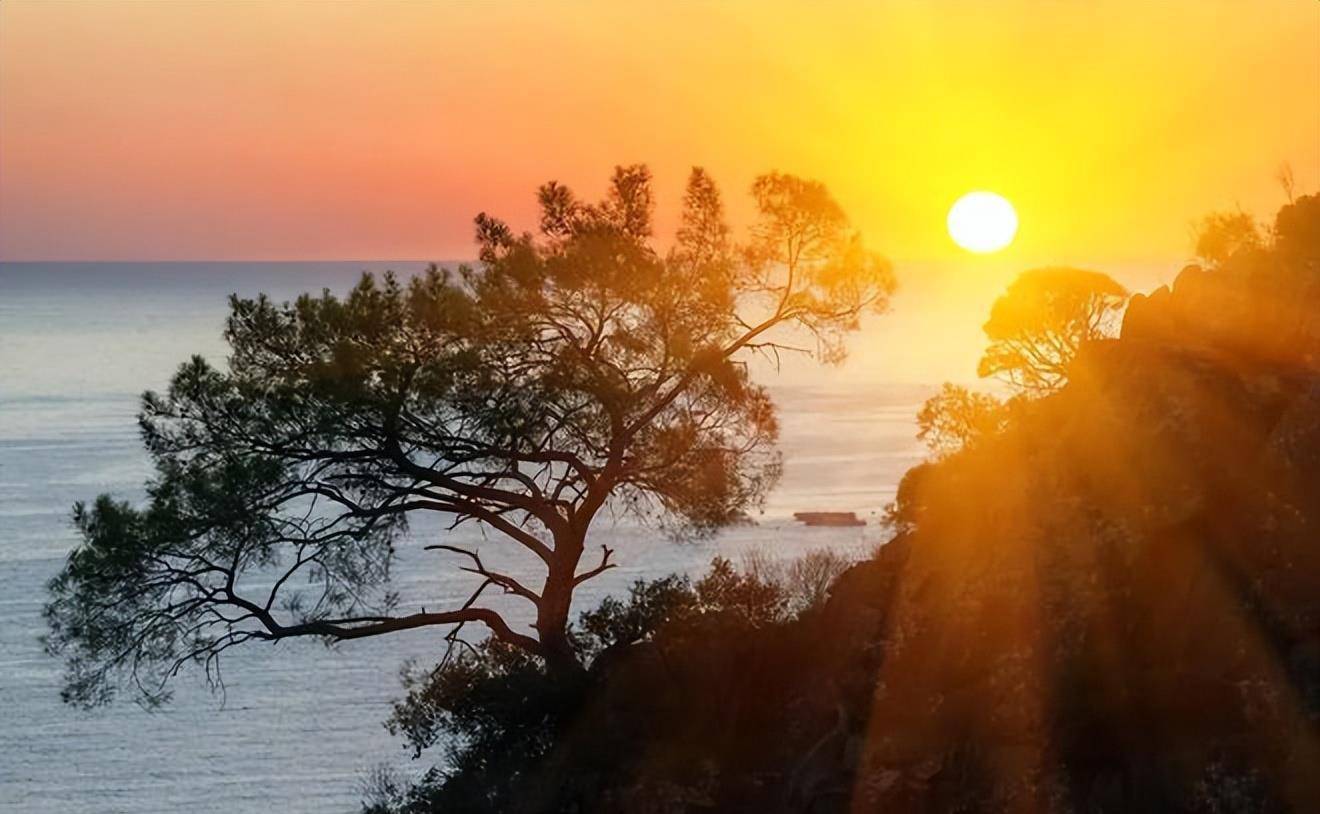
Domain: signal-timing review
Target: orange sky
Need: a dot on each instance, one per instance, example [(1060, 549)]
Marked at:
[(354, 130)]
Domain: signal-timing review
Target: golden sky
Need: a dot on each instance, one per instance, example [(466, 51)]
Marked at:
[(228, 130)]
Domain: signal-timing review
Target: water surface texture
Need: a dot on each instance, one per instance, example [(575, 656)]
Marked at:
[(299, 723)]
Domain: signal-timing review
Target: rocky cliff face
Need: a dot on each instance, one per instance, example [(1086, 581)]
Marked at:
[(1259, 306), (1115, 606)]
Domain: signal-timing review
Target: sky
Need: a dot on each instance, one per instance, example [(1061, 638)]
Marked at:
[(306, 130)]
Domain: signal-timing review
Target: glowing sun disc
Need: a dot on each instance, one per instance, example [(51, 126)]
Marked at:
[(982, 222)]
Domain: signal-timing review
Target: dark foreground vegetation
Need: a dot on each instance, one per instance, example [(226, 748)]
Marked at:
[(1102, 596)]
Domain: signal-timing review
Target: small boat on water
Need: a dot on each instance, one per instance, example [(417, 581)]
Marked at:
[(829, 518)]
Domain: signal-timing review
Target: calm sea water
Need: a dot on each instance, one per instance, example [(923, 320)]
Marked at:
[(299, 723)]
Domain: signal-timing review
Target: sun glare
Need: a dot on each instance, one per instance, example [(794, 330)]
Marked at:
[(982, 222)]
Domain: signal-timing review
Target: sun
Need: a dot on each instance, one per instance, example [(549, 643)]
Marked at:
[(982, 222)]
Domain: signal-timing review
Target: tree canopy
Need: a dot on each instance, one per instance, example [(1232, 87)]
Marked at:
[(571, 370), (1220, 235), (1037, 326)]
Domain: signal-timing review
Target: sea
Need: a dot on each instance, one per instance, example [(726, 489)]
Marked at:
[(298, 725)]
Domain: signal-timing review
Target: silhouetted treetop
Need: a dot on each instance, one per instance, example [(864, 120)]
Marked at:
[(1037, 326), (957, 418), (573, 370), (1220, 235)]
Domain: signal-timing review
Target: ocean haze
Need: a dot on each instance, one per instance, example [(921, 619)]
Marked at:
[(299, 723)]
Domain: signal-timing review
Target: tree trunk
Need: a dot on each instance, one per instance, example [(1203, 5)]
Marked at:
[(556, 602)]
